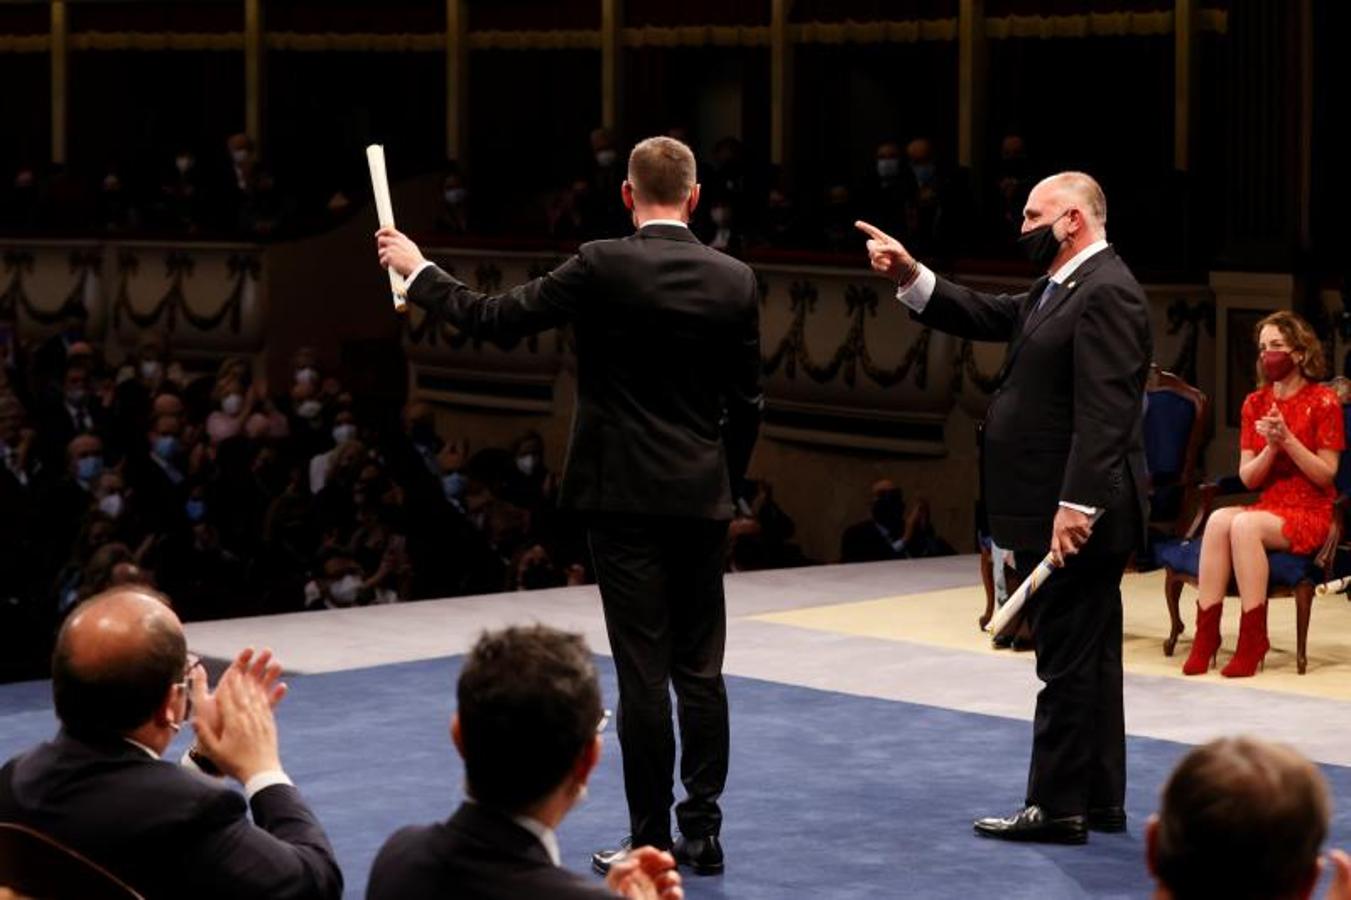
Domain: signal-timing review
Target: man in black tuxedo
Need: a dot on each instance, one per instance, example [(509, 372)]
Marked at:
[(1063, 440), (121, 678), (668, 408), (527, 724)]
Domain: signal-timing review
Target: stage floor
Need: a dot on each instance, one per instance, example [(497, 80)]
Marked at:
[(894, 631), (871, 722)]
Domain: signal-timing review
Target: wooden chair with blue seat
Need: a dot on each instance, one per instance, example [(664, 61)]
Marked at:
[(1291, 575), (1176, 415), (33, 864)]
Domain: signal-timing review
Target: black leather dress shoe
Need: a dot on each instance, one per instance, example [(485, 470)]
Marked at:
[(602, 860), (703, 855), (1111, 819), (1032, 824)]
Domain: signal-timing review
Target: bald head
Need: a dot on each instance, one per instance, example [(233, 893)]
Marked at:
[(1074, 190), (167, 405), (116, 659)]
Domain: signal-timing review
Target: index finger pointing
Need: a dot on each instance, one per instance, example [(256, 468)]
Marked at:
[(873, 231)]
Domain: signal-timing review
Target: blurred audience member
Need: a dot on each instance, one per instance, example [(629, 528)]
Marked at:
[(893, 191), (454, 216), (121, 682), (1243, 818), (528, 726)]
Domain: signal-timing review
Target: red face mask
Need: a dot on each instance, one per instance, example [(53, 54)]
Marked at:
[(1276, 364)]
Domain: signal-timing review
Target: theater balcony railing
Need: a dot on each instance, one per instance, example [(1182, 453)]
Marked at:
[(207, 298), (844, 364)]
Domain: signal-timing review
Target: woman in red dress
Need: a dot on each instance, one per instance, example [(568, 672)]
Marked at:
[(1291, 439)]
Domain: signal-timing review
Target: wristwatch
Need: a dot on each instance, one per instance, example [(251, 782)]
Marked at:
[(203, 762)]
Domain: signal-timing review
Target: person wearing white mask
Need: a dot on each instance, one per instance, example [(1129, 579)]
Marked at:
[(110, 495), (234, 405), (344, 431)]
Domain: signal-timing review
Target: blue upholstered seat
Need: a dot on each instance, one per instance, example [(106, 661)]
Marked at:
[(1287, 569)]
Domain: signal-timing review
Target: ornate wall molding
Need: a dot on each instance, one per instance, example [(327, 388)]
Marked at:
[(244, 270), (852, 354), (24, 283), (206, 296)]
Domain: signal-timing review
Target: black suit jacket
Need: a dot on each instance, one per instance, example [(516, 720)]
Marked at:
[(165, 830), (668, 366), (478, 854), (864, 542), (1066, 422)]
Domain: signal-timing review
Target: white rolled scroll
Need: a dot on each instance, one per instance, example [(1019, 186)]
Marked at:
[(1029, 587), (384, 210), (1336, 586)]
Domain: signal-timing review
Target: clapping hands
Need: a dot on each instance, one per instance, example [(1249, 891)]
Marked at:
[(646, 873), (1272, 427), (234, 723)]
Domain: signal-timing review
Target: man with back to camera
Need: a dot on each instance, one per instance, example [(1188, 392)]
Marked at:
[(121, 679), (1063, 441), (527, 723), (668, 408), (1242, 818)]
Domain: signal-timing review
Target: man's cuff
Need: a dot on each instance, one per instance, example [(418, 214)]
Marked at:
[(1079, 507), (198, 762), (426, 263), (916, 294), (265, 780)]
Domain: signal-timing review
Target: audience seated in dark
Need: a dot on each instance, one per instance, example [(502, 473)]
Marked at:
[(1243, 819), (527, 724), (890, 532), (760, 537), (121, 681), (892, 194)]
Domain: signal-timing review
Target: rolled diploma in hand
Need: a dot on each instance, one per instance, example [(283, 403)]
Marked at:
[(384, 209), (1027, 589)]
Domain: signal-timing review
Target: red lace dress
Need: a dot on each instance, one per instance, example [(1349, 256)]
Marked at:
[(1314, 416)]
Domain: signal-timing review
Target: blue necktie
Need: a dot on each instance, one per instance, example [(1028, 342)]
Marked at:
[(1047, 295)]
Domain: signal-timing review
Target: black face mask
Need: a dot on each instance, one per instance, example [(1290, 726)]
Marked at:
[(889, 510), (1040, 245)]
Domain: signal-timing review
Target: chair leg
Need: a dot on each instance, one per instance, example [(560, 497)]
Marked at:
[(1172, 592), (987, 579), (1303, 607)]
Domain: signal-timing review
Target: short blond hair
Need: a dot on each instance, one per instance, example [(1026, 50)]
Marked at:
[(661, 170)]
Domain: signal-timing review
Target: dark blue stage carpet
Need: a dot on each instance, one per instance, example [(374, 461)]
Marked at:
[(830, 796)]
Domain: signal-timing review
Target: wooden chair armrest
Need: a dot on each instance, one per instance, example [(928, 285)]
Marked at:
[(1327, 554), (1204, 494)]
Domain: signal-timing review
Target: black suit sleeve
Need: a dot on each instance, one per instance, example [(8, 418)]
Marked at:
[(960, 311), (285, 856), (1111, 349), (744, 394), (547, 302)]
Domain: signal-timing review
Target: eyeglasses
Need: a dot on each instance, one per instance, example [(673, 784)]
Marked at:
[(186, 684), (605, 716)]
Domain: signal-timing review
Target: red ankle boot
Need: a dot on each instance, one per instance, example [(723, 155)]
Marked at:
[(1207, 642), (1252, 644)]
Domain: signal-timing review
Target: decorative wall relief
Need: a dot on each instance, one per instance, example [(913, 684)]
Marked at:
[(173, 304), (33, 273), (852, 354), (1189, 318)]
